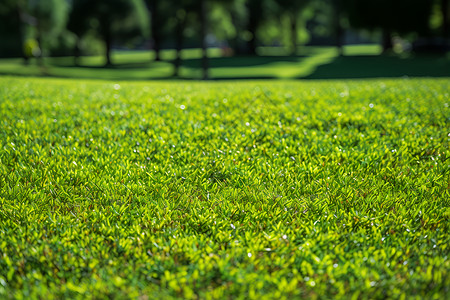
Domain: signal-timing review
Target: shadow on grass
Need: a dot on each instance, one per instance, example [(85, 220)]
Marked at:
[(69, 63), (116, 66), (140, 78), (353, 67), (240, 61), (195, 63), (220, 78), (93, 76), (234, 68), (64, 67)]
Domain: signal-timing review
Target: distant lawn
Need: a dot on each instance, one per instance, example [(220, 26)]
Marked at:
[(361, 61), (224, 190)]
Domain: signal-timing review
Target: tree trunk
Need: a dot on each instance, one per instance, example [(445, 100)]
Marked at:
[(235, 41), (252, 43), (203, 25), (178, 43), (339, 31), (39, 57), (294, 33), (387, 40), (254, 10), (108, 46), (339, 37), (77, 52), (445, 21), (21, 30), (155, 29), (252, 26)]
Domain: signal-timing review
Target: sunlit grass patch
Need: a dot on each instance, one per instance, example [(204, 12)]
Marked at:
[(326, 189)]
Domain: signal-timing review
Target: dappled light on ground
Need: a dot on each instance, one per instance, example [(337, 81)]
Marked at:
[(313, 62)]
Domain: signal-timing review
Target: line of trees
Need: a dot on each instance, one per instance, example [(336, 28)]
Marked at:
[(32, 26)]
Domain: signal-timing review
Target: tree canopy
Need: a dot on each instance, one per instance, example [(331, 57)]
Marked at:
[(110, 20), (242, 24)]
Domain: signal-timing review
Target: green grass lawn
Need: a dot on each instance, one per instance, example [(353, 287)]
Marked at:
[(251, 190), (361, 61)]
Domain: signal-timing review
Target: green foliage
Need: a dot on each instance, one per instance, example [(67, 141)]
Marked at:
[(10, 33), (224, 190), (43, 21), (50, 15), (111, 20), (292, 15)]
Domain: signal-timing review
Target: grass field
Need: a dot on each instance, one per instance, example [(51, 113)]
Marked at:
[(254, 189), (361, 61)]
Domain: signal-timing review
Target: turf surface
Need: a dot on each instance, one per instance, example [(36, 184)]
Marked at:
[(328, 189)]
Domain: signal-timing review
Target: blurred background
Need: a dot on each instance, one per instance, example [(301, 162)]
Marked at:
[(224, 39)]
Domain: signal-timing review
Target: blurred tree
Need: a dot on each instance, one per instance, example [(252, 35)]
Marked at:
[(50, 18), (158, 18), (202, 11), (293, 10), (11, 29), (111, 20), (237, 11), (256, 15), (389, 16), (41, 20), (180, 23), (78, 24), (195, 14), (221, 20), (182, 11), (445, 11), (337, 19)]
